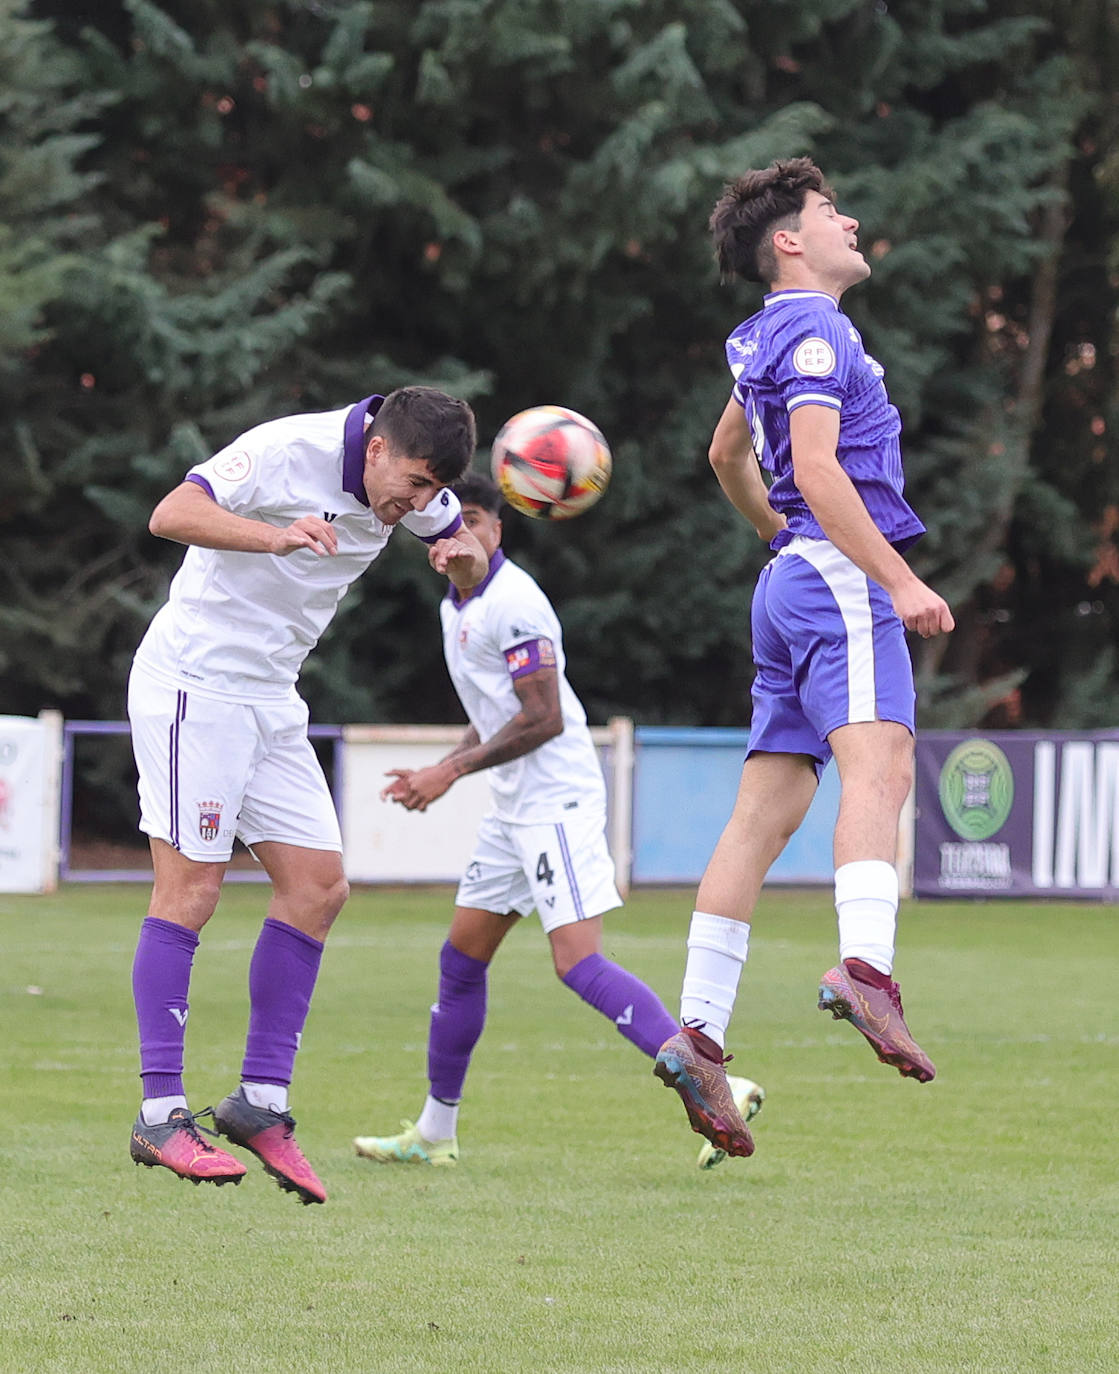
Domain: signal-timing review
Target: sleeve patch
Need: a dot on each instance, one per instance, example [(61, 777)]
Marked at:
[(814, 358), (233, 467), (527, 658)]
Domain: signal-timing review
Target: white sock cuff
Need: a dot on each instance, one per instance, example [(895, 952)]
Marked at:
[(437, 1120), (266, 1095), (719, 934), (867, 878)]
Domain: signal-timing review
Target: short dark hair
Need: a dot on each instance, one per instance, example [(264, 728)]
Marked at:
[(422, 422), (476, 489), (753, 207)]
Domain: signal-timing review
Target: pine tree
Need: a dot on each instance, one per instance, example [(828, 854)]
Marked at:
[(244, 209)]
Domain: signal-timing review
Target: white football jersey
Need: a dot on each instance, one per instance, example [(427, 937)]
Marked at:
[(239, 625), (506, 629)]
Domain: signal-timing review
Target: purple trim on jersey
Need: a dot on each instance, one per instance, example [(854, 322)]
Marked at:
[(456, 598), (529, 657), (353, 447), (569, 869), (202, 482), (456, 524), (173, 764)]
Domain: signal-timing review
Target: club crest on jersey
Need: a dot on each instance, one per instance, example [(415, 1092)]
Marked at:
[(234, 467), (814, 358), (209, 819)]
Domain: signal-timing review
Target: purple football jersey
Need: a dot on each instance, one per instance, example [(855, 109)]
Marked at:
[(800, 349)]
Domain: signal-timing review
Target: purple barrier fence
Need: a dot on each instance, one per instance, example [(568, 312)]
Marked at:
[(71, 729)]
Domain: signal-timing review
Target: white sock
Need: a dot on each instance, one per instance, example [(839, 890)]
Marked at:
[(267, 1095), (438, 1120), (154, 1111), (866, 903), (717, 948)]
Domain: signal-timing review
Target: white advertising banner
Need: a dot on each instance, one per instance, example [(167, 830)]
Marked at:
[(30, 756), (381, 841), (384, 843)]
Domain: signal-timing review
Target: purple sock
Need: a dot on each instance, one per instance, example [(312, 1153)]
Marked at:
[(634, 1008), (457, 1019), (282, 975), (160, 988)]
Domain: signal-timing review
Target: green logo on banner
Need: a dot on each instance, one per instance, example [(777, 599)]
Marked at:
[(976, 789)]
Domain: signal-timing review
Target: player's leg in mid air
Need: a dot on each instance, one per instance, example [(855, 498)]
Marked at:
[(875, 761), (458, 1018), (287, 819), (166, 1132), (184, 792), (773, 796), (309, 890), (856, 687)]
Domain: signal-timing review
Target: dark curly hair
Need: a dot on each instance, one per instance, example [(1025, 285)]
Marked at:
[(753, 207)]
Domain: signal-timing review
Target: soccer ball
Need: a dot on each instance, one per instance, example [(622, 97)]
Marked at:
[(551, 462)]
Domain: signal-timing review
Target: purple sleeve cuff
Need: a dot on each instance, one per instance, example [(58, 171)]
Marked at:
[(530, 657), (201, 481), (455, 525)]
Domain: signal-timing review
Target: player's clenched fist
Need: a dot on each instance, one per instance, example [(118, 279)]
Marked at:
[(440, 554), (921, 609)]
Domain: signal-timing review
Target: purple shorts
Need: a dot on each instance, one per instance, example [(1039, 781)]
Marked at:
[(829, 650)]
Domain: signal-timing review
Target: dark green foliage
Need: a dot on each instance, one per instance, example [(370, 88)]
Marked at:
[(215, 213)]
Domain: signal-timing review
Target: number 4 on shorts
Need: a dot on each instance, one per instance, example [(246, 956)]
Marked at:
[(544, 871)]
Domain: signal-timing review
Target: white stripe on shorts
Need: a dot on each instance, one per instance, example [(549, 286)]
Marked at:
[(848, 584)]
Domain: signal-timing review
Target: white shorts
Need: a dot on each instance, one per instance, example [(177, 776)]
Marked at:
[(211, 770), (563, 870)]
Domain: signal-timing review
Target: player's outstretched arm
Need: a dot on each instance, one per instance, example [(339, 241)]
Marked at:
[(732, 456), (837, 505), (539, 719), (190, 515)]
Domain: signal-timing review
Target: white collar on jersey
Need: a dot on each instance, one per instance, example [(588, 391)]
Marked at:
[(780, 297)]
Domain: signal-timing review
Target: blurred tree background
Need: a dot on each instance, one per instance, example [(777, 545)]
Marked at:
[(214, 213)]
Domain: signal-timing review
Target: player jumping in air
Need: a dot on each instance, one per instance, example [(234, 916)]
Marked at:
[(541, 846), (278, 525), (829, 615)]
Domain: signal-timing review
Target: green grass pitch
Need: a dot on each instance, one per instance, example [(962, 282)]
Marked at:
[(968, 1225)]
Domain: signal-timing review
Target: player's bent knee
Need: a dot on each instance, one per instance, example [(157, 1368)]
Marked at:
[(339, 895), (329, 900), (571, 944)]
